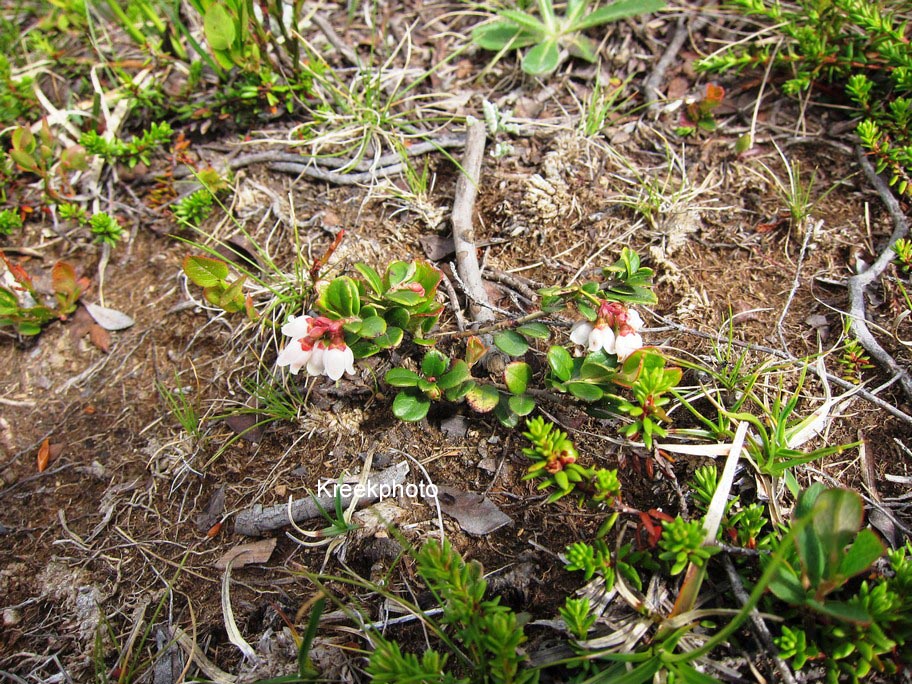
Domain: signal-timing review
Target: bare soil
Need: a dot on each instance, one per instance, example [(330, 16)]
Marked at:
[(113, 535)]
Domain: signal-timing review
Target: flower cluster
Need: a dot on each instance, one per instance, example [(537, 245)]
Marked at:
[(317, 344), (558, 460), (616, 331)]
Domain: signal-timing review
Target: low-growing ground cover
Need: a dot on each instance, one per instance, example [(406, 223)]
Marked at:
[(607, 304)]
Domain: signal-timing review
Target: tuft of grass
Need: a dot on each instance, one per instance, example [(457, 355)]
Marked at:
[(186, 411)]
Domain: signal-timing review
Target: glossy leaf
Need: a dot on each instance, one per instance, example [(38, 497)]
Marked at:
[(391, 338), (434, 364), (341, 297), (401, 377), (535, 330), (372, 327), (507, 417), (404, 297), (561, 363), (410, 406), (511, 343), (521, 405), (371, 276), (585, 391), (457, 375), (517, 376)]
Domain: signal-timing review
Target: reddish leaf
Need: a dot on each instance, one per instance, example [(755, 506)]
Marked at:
[(19, 273), (100, 337), (44, 455), (63, 278), (714, 94)]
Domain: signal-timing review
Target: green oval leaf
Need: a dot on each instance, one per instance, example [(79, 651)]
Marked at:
[(232, 299), (434, 364), (372, 327), (218, 27), (391, 338), (341, 298), (483, 398), (866, 549), (535, 330), (511, 343), (561, 363), (398, 317), (24, 160), (371, 276), (401, 377), (618, 10), (521, 405), (585, 391), (542, 59), (496, 36), (458, 392), (404, 297), (23, 139), (457, 375), (410, 406), (506, 416), (517, 376), (205, 271)]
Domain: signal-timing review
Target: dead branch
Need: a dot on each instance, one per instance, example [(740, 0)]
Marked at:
[(350, 55), (651, 86), (760, 628), (857, 284), (463, 226), (256, 521)]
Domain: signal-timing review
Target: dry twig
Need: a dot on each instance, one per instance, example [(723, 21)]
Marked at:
[(463, 226), (256, 521), (857, 284), (760, 628)]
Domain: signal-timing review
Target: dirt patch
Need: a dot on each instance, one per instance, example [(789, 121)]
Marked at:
[(115, 532)]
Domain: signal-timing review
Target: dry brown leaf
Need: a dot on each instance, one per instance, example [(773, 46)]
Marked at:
[(80, 323), (44, 455), (475, 513), (245, 425), (247, 554), (100, 337)]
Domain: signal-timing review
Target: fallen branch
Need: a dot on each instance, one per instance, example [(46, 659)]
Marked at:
[(760, 628), (325, 168), (463, 226), (196, 655), (651, 85), (256, 521), (857, 284)]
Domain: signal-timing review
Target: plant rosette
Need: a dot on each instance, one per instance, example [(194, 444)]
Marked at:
[(615, 331), (318, 345)]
